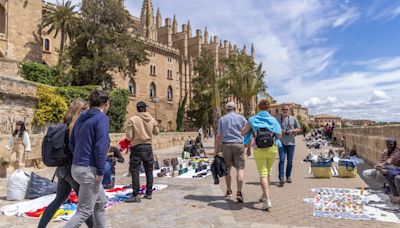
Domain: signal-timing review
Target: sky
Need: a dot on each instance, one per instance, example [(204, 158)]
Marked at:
[(338, 57)]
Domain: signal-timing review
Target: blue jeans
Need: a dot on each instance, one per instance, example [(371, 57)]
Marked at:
[(283, 152)]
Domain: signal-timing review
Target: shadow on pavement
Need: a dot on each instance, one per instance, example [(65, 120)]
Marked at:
[(215, 201)]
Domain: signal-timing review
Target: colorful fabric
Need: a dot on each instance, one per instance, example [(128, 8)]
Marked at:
[(124, 145)]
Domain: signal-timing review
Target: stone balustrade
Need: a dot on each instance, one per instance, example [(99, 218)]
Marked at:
[(369, 142)]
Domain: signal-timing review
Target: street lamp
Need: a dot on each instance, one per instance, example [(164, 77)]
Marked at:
[(155, 101)]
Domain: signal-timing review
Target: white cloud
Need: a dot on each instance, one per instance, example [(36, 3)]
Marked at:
[(385, 63), (347, 18)]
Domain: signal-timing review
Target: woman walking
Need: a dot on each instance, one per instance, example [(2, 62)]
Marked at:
[(267, 132), (65, 180), (19, 144)]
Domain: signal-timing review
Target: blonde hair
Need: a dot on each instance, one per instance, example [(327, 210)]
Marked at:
[(263, 104), (75, 109)]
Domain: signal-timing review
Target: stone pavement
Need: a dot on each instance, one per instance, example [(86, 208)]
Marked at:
[(288, 209)]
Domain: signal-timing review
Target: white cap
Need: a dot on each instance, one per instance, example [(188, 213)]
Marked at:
[(230, 105)]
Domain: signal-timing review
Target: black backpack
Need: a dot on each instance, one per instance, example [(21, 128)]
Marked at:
[(54, 150), (264, 138)]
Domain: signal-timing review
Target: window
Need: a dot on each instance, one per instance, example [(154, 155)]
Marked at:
[(152, 70), (169, 93), (152, 91), (169, 59), (2, 20), (132, 88), (47, 45), (169, 74)]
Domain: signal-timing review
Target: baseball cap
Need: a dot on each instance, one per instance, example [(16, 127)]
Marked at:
[(230, 105), (141, 104)]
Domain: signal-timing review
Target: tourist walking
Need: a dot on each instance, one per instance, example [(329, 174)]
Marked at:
[(267, 132), (64, 176), (290, 127), (140, 131), (90, 142), (229, 138), (19, 144)]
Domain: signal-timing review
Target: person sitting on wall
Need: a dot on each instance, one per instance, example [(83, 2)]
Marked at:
[(390, 157)]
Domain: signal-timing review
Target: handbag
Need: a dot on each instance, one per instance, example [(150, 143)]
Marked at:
[(156, 164)]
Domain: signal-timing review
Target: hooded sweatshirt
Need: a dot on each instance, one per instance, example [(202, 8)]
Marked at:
[(90, 140), (141, 129)]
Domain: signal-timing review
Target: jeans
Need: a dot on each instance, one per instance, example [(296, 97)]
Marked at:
[(92, 198), (64, 186), (286, 150), (141, 153)]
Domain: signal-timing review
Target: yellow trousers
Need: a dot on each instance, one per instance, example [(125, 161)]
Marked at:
[(265, 158)]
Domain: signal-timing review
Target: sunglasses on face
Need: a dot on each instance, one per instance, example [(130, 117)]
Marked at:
[(285, 109)]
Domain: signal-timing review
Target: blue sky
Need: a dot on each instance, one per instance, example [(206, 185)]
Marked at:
[(334, 56)]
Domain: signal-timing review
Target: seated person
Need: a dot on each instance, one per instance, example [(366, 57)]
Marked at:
[(197, 148), (188, 145), (114, 156), (390, 157)]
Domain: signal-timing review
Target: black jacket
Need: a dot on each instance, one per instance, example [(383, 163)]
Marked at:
[(218, 169)]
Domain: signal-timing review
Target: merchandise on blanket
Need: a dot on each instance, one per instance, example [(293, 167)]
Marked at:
[(73, 198), (17, 184), (322, 169), (347, 168), (39, 186)]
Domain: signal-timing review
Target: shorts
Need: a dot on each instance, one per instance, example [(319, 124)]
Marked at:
[(265, 158), (234, 155)]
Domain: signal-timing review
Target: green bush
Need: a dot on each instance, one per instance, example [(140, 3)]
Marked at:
[(51, 106), (119, 99), (70, 93), (37, 72)]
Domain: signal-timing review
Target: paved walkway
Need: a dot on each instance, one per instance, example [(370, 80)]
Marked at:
[(288, 207)]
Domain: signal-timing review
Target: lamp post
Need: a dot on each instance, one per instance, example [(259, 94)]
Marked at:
[(155, 101)]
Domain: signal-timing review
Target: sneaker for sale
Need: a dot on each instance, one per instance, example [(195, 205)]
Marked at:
[(266, 205), (228, 193), (288, 180), (239, 197), (134, 199)]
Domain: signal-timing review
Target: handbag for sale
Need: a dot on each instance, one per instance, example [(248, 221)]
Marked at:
[(347, 168), (322, 169), (156, 164)]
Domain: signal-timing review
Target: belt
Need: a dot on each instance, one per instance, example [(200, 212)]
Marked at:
[(232, 143)]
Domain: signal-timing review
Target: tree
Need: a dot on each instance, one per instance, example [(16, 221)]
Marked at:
[(181, 114), (244, 79), (117, 113), (60, 18), (207, 84), (103, 44)]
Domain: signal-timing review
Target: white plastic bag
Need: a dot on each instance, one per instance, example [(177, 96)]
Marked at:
[(17, 184)]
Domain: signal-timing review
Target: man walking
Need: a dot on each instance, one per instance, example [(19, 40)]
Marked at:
[(229, 134), (90, 142), (140, 131), (290, 127)]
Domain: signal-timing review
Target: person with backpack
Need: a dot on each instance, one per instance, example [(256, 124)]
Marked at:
[(19, 144), (290, 127), (267, 134), (90, 142), (140, 131), (63, 172)]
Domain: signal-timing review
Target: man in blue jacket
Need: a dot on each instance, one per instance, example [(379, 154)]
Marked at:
[(89, 142)]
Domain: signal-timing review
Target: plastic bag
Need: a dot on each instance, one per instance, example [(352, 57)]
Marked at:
[(39, 186), (17, 185)]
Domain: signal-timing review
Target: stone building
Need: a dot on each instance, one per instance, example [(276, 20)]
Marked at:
[(323, 120), (296, 110), (162, 83)]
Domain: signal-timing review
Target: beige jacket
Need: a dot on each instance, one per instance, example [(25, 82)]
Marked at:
[(141, 128)]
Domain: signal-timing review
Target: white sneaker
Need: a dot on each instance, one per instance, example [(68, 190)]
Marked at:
[(262, 199), (266, 205)]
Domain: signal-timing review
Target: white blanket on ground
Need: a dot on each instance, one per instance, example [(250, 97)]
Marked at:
[(19, 209)]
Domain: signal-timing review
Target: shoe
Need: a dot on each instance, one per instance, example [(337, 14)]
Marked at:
[(134, 199), (239, 197), (288, 180), (281, 181), (262, 198), (266, 205), (147, 196), (228, 193)]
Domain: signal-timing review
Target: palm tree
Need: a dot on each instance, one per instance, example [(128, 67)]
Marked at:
[(60, 18), (245, 80)]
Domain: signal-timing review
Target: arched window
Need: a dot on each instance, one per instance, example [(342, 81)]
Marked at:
[(132, 87), (47, 45), (2, 20), (153, 91), (169, 93)]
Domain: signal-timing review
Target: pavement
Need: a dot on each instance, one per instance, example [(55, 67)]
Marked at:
[(199, 203)]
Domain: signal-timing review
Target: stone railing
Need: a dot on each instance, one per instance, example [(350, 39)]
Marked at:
[(164, 140), (9, 68), (369, 142)]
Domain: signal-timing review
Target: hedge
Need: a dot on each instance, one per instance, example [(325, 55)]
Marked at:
[(51, 106), (38, 72)]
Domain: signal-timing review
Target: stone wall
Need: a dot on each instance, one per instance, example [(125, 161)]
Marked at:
[(369, 142), (9, 68), (164, 140), (17, 102)]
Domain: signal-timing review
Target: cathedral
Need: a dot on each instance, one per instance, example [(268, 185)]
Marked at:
[(161, 83)]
